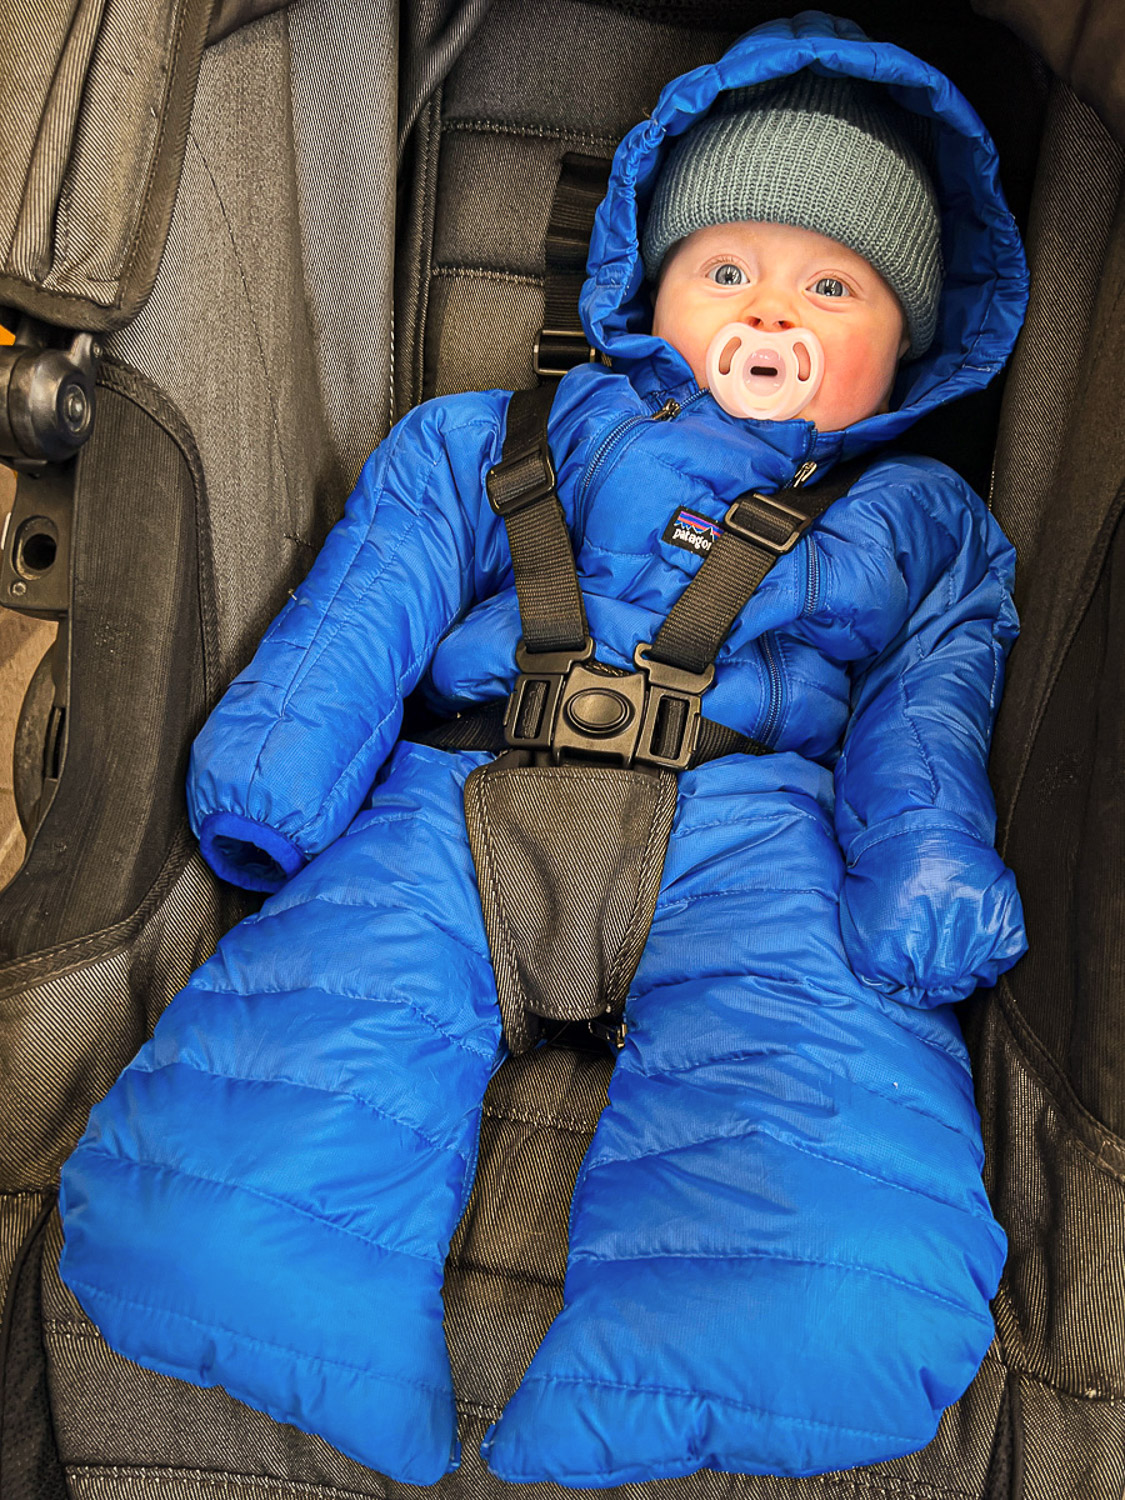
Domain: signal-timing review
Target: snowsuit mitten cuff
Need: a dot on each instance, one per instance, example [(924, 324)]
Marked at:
[(929, 912), (248, 854)]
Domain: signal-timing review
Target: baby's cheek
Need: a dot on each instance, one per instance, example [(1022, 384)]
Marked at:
[(854, 381)]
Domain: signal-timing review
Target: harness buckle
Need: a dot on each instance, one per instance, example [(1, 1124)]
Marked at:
[(560, 705), (673, 712), (612, 1031), (766, 511)]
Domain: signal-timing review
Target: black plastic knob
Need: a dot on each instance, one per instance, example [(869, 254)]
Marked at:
[(599, 711)]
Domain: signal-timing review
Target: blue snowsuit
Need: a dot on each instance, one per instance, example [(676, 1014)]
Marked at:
[(781, 1254)]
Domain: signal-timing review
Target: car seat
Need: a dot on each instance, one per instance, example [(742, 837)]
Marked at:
[(286, 226)]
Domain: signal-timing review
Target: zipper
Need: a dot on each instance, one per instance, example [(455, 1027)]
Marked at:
[(667, 412), (773, 712), (812, 585)]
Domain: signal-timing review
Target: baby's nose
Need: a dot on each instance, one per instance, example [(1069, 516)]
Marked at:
[(768, 321)]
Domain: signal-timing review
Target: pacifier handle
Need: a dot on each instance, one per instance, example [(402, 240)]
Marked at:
[(773, 398)]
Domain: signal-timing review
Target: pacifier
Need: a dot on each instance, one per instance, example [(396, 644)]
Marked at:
[(763, 376)]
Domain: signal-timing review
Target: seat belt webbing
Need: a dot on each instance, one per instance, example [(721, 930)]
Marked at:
[(561, 343), (759, 530), (521, 490)]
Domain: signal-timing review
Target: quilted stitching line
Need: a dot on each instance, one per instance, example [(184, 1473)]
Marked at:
[(309, 655), (795, 1260), (829, 1072), (829, 897), (319, 989), (314, 1088), (788, 980), (312, 655), (755, 1128), (380, 906), (700, 1395), (241, 1187), (253, 1343)]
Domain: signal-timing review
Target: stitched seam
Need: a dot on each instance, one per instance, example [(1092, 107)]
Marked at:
[(483, 125), (260, 1484), (313, 1088), (485, 273), (274, 1198), (789, 981), (927, 827), (501, 925), (908, 718), (794, 1260), (253, 318), (762, 820), (391, 999), (751, 890), (659, 831), (541, 1118), (248, 1340), (755, 1128), (701, 1395), (588, 544), (854, 1083), (788, 813), (380, 906), (891, 1010), (311, 656), (298, 674)]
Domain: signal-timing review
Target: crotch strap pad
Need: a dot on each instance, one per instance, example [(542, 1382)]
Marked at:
[(568, 861)]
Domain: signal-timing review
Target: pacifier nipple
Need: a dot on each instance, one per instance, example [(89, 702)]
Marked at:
[(765, 375)]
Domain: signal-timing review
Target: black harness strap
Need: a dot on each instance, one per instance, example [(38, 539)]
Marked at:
[(561, 343), (567, 703), (758, 529), (521, 491)]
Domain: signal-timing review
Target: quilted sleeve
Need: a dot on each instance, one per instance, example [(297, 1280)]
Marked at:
[(929, 911), (286, 758)]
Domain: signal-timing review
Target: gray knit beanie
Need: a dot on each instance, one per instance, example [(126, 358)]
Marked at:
[(825, 153)]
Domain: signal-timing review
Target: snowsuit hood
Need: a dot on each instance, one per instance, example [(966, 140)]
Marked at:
[(986, 279)]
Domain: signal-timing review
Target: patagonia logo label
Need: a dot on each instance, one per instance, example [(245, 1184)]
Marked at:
[(695, 533)]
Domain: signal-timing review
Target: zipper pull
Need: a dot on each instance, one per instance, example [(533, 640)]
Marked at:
[(669, 410), (803, 474)]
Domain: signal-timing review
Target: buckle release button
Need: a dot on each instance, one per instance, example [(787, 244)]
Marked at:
[(598, 711)]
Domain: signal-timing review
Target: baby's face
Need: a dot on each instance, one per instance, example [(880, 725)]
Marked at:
[(775, 276)]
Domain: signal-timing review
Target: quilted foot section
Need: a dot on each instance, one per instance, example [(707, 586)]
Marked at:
[(323, 1329), (582, 1434), (754, 1287), (642, 1378)]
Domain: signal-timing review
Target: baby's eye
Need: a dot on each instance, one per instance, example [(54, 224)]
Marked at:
[(830, 286), (727, 274)]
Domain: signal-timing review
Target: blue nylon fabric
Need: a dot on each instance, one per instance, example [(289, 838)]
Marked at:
[(781, 1253)]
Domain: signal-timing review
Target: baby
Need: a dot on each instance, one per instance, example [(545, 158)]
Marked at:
[(781, 1253)]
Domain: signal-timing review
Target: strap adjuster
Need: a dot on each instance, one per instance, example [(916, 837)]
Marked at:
[(746, 515), (558, 350), (521, 480)]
